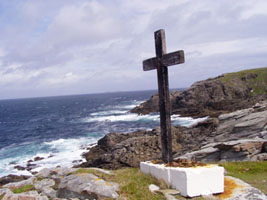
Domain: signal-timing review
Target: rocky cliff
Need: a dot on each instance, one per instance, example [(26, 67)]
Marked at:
[(235, 130), (212, 97), (240, 135)]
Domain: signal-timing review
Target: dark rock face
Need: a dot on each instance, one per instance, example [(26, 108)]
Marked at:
[(240, 135), (120, 150), (12, 178), (135, 147), (211, 97)]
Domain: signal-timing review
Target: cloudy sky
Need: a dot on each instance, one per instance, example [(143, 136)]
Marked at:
[(59, 47)]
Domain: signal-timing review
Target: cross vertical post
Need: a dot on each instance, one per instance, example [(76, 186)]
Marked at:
[(164, 98), (161, 63)]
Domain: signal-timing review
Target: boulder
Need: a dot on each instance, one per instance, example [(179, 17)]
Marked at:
[(241, 191), (45, 187), (12, 178), (19, 184), (63, 183), (37, 158), (86, 186)]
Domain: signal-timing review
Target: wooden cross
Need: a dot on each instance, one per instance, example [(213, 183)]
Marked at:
[(161, 62)]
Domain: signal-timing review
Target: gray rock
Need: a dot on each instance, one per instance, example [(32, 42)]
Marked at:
[(153, 188), (239, 150), (261, 156), (247, 123), (63, 171), (44, 183), (29, 181), (5, 191), (12, 178), (45, 173), (86, 186), (31, 195), (49, 192), (245, 191)]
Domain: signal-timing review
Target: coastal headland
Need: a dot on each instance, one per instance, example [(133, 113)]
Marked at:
[(233, 128)]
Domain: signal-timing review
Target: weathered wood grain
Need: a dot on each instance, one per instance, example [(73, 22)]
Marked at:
[(169, 59), (161, 63)]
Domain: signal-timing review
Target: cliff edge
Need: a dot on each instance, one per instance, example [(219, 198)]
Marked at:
[(215, 96)]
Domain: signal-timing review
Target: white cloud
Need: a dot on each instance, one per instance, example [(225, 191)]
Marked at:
[(83, 46)]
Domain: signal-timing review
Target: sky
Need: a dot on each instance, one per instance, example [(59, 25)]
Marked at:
[(63, 47)]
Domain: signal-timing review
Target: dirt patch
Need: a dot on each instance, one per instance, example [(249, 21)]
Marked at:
[(180, 163), (229, 188)]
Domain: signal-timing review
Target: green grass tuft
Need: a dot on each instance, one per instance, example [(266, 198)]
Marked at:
[(257, 84), (135, 185), (22, 189)]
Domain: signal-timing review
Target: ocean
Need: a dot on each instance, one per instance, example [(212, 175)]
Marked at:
[(60, 129)]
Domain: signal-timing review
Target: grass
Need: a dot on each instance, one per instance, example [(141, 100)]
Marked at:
[(133, 184), (254, 173), (1, 196), (257, 84), (22, 189)]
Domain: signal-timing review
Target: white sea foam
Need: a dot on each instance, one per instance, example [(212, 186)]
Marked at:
[(126, 117), (110, 112), (185, 121), (131, 105), (60, 152)]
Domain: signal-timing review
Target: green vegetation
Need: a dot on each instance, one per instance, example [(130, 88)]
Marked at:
[(255, 79), (1, 196), (24, 188), (40, 178), (254, 173), (134, 184)]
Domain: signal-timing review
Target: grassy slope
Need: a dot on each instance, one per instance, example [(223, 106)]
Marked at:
[(254, 173), (258, 85), (134, 184)]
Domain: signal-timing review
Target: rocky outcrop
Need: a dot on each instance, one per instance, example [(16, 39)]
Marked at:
[(237, 189), (215, 96), (12, 178), (240, 135), (61, 183), (246, 123), (238, 150), (123, 150)]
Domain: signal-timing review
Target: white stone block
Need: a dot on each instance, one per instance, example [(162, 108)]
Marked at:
[(193, 181), (160, 172), (145, 167)]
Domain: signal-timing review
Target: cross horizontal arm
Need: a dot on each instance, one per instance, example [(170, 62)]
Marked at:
[(169, 59)]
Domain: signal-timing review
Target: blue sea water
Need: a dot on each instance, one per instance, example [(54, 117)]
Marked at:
[(60, 129)]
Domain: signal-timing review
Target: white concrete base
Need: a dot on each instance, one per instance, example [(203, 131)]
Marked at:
[(192, 181)]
